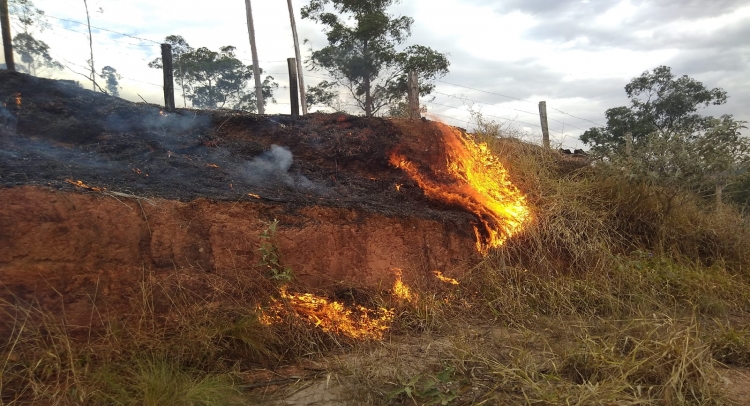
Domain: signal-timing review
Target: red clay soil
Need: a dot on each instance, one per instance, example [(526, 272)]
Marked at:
[(192, 190)]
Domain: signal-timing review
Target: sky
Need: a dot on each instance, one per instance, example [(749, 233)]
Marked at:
[(506, 55)]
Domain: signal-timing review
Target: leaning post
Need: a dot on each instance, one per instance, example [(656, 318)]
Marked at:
[(166, 58), (7, 39), (545, 127), (293, 89)]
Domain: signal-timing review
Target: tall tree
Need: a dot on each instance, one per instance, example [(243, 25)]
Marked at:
[(111, 80), (674, 146), (34, 53), (219, 80), (363, 51), (659, 103), (179, 48)]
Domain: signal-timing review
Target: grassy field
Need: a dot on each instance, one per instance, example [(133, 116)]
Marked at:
[(617, 293)]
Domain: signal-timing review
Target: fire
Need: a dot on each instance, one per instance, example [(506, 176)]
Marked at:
[(80, 184), (398, 187), (400, 290), (355, 322), (445, 279), (476, 180), (253, 195), (213, 166)]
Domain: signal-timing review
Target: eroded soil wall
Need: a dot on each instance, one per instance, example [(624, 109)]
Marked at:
[(77, 245)]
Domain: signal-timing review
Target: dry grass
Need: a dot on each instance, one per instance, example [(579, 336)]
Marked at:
[(617, 293)]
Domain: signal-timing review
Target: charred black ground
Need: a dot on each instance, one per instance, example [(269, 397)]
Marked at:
[(66, 133)]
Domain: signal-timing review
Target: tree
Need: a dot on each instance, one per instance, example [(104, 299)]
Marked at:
[(674, 148), (660, 103), (219, 79), (34, 54), (179, 47), (362, 55), (324, 94), (111, 79)]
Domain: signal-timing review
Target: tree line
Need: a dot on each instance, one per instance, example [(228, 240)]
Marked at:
[(366, 56)]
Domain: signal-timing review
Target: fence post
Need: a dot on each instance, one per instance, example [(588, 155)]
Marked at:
[(166, 59), (413, 92), (545, 127), (629, 144), (293, 90), (719, 192), (300, 73), (7, 39), (254, 51)]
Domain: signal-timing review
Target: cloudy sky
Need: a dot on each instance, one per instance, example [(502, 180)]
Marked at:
[(577, 55)]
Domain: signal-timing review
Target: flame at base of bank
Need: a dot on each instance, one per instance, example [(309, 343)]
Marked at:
[(355, 322), (472, 178)]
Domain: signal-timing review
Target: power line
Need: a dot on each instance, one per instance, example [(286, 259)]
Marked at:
[(104, 29), (484, 91)]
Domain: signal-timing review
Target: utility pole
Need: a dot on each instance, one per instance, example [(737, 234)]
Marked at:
[(7, 39), (545, 127), (292, 63), (256, 68), (166, 58), (300, 74)]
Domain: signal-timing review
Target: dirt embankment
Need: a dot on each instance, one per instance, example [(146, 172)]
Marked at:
[(193, 190)]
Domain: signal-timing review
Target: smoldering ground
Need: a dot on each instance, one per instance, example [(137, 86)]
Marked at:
[(272, 168)]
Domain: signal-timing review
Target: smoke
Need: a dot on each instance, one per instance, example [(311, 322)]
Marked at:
[(272, 168)]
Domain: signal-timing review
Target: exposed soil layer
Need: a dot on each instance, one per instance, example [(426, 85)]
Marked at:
[(194, 189)]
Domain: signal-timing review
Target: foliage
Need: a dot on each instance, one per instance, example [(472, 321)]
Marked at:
[(363, 56), (428, 390), (34, 54), (214, 79), (26, 16), (324, 94), (659, 103), (270, 255), (673, 146), (111, 78)]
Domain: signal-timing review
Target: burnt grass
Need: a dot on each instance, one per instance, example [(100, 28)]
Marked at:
[(66, 133)]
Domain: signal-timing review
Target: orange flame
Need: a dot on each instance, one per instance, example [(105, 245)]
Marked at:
[(445, 279), (477, 181), (212, 166), (355, 322), (398, 187), (253, 195), (80, 184), (400, 290)]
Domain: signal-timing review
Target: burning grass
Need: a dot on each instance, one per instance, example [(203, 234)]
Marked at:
[(475, 180), (608, 294)]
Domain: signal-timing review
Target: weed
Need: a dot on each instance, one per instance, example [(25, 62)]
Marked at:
[(270, 255)]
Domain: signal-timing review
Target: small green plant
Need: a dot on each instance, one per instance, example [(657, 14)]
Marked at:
[(270, 255), (427, 389)]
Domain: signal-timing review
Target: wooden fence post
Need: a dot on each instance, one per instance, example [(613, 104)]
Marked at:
[(413, 92), (545, 127), (7, 39), (719, 192), (300, 73), (254, 51), (166, 59), (293, 91), (629, 144)]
